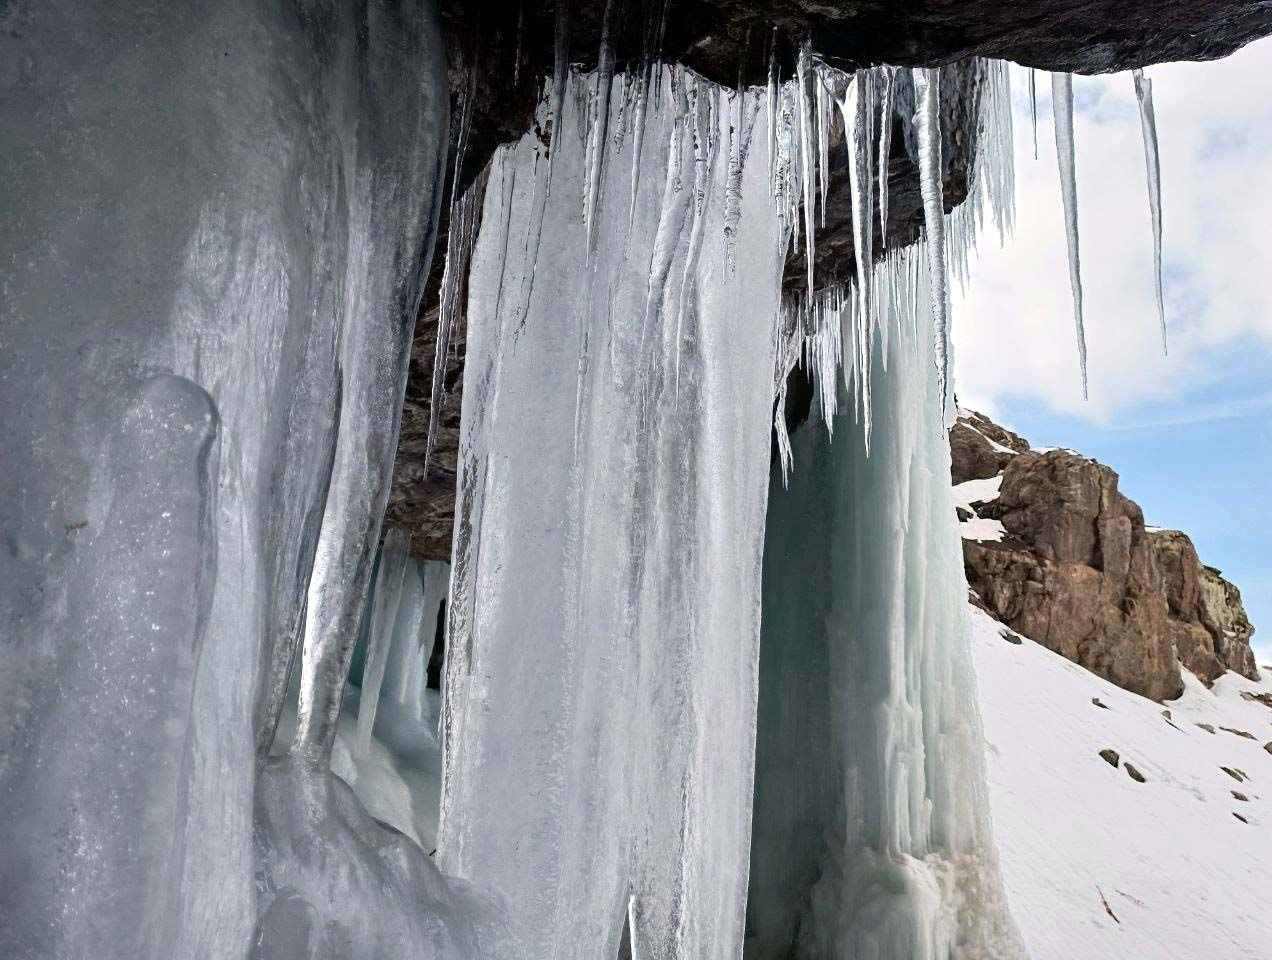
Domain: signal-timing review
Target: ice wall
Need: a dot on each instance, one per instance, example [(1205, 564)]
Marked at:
[(213, 223), (604, 604), (870, 833)]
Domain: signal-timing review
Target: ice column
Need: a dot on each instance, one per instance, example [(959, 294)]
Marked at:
[(871, 833), (604, 606), (213, 221), (390, 581)]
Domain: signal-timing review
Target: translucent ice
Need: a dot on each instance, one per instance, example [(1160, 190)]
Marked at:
[(888, 79), (927, 122), (604, 611), (870, 830), (1062, 111), (214, 216), (1152, 164), (385, 600)]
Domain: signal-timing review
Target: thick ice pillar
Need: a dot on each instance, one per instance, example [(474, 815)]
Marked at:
[(604, 614), (211, 228), (871, 830)]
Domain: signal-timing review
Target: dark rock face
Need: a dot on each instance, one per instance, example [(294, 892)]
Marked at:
[(1077, 571), (424, 503)]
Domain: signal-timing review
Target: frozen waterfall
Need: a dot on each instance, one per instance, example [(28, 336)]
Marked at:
[(228, 732), (870, 834), (604, 613), (600, 698)]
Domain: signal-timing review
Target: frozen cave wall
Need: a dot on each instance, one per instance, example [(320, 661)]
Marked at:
[(213, 225)]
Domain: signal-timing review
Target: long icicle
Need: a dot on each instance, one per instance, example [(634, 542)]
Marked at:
[(807, 172), (857, 111), (459, 238), (885, 151), (598, 130), (1153, 167), (927, 120), (1062, 112), (1033, 106)]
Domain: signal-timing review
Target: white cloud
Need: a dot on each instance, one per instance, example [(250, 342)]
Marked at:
[(1014, 324)]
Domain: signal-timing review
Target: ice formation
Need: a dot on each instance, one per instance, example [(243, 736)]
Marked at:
[(888, 83), (1033, 107), (1062, 113), (214, 262), (870, 831), (388, 746), (200, 422), (381, 634), (604, 607), (1153, 168), (604, 621), (927, 113)]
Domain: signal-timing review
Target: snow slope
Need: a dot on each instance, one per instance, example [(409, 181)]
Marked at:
[(1181, 876)]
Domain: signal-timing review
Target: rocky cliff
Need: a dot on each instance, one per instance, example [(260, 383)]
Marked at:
[(1054, 550)]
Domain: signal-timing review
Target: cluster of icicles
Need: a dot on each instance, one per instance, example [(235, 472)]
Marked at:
[(834, 327)]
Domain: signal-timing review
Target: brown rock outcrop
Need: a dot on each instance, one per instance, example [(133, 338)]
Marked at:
[(1212, 632), (1078, 571), (980, 448)]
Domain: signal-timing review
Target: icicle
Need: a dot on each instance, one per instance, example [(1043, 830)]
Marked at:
[(885, 151), (1152, 163), (560, 78), (638, 132), (823, 139), (771, 104), (385, 598), (621, 122), (858, 110), (460, 230), (1062, 111), (742, 111), (521, 30), (806, 171), (1033, 106), (927, 120), (704, 121), (598, 128)]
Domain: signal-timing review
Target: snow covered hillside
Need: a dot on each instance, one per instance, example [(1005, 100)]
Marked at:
[(1099, 865)]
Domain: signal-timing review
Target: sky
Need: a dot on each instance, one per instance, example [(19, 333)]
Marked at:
[(1189, 432)]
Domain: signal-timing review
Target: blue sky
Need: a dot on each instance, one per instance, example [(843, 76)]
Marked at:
[(1190, 433)]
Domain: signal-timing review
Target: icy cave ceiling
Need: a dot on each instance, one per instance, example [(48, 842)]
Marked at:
[(500, 52)]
